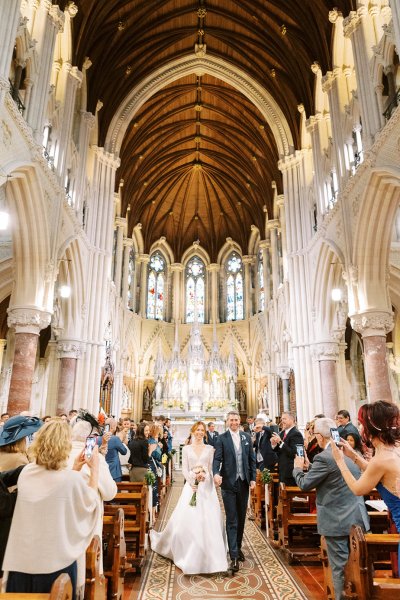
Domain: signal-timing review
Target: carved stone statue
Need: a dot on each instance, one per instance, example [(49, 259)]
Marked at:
[(242, 399), (147, 399)]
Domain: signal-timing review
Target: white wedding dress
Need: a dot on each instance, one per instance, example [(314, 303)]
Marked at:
[(194, 538)]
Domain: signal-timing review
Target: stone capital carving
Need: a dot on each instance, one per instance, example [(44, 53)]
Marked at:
[(176, 267), (28, 320), (265, 244), (326, 351), (69, 349), (143, 258), (283, 372), (213, 267), (372, 323)]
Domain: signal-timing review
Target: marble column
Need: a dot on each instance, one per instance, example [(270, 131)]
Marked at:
[(248, 300), (126, 284), (68, 352), (144, 260), (284, 374), (374, 326), (120, 224), (327, 355), (27, 323), (213, 303)]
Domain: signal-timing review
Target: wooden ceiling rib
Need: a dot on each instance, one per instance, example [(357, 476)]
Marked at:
[(189, 181)]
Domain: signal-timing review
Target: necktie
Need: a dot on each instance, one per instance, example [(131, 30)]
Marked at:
[(284, 435)]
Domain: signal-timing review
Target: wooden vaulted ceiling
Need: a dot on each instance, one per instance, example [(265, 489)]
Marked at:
[(198, 159)]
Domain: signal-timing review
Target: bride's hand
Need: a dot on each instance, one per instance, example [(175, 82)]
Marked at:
[(194, 488)]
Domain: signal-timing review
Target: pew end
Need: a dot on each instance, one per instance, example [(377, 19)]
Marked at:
[(95, 584), (60, 590)]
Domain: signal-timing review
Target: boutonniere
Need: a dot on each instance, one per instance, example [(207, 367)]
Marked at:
[(243, 438)]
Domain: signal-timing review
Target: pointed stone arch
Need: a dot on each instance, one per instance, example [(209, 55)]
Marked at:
[(211, 65)]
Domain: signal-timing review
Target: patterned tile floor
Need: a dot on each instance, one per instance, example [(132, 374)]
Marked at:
[(263, 576)]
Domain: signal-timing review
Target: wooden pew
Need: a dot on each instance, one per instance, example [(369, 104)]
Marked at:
[(114, 553), (60, 590), (297, 527), (257, 502), (130, 486), (272, 508), (366, 552), (95, 584), (134, 506)]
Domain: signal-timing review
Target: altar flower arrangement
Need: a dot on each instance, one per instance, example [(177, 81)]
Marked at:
[(198, 474)]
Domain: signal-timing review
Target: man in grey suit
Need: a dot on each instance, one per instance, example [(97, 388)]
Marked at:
[(211, 435), (337, 507)]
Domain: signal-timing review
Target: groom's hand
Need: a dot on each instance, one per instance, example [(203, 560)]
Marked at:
[(217, 480), (252, 485)]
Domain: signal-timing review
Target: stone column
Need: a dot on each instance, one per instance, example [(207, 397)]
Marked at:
[(264, 247), (374, 326), (144, 260), (125, 275), (9, 19), (120, 223), (213, 302), (284, 374), (3, 344), (327, 355), (68, 352), (273, 226), (27, 323), (177, 295), (248, 308), (395, 7)]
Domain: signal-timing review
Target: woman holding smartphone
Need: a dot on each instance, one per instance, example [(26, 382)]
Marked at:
[(380, 428), (139, 448), (40, 549)]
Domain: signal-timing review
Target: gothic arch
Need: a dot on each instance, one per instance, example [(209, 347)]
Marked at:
[(328, 275), (371, 248), (211, 65)]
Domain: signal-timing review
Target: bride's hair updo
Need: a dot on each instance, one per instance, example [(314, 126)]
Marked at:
[(196, 425)]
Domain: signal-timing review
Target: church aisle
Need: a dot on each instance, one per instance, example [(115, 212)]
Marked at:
[(264, 576)]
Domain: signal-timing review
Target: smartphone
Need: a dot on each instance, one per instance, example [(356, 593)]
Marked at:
[(106, 428), (335, 435), (91, 441), (300, 450)]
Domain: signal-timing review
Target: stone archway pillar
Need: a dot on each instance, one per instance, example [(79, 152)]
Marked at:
[(373, 327), (68, 352), (327, 355), (27, 323), (284, 374)]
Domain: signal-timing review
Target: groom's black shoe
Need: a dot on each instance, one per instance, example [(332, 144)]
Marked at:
[(234, 566), (241, 557)]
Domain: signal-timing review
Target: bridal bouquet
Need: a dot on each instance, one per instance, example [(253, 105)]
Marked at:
[(199, 474)]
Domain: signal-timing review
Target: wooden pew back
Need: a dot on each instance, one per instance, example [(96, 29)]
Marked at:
[(114, 553), (95, 584), (60, 590)]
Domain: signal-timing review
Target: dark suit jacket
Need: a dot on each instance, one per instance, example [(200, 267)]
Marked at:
[(212, 440), (286, 455), (7, 504), (263, 445), (337, 507), (224, 463)]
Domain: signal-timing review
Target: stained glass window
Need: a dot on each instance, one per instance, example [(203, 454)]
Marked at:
[(131, 271), (155, 287), (234, 288), (261, 296), (195, 290)]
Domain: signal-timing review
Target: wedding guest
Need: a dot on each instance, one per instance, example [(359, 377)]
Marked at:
[(284, 445), (155, 454), (68, 505), (8, 481), (355, 442), (344, 424), (212, 435), (380, 428), (139, 448), (311, 445), (115, 447), (13, 448), (337, 508), (194, 537)]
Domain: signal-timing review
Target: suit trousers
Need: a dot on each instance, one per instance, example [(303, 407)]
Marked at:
[(235, 504), (338, 555)]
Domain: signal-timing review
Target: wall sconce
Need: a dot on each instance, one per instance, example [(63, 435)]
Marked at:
[(65, 291), (336, 294)]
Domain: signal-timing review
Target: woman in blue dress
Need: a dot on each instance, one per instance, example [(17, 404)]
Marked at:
[(380, 428), (155, 454)]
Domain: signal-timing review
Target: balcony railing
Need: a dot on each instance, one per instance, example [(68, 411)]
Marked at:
[(17, 98), (394, 103)]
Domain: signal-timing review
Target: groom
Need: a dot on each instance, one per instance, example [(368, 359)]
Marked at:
[(234, 469)]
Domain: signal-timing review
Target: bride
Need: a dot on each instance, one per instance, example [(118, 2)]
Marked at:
[(194, 538)]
